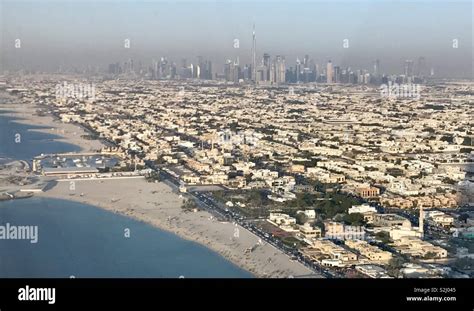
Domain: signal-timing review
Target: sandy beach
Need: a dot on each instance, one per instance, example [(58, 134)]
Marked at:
[(66, 132), (158, 205)]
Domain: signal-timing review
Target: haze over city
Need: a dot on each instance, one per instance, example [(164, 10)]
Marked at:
[(77, 34)]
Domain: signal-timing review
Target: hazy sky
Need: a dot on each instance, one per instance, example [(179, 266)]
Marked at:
[(78, 33)]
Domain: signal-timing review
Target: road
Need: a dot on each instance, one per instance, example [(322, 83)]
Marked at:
[(207, 202)]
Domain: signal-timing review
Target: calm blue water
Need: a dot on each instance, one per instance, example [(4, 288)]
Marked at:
[(31, 143), (84, 241)]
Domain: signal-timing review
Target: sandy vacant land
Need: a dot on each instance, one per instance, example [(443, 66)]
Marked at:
[(158, 205)]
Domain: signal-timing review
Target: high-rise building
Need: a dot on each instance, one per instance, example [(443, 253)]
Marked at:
[(265, 73), (337, 74), (228, 70), (247, 72), (266, 59), (377, 68), (306, 75), (254, 55), (163, 69), (290, 75), (329, 72), (197, 72), (232, 71), (272, 74), (314, 71), (208, 71), (298, 70), (280, 69), (200, 67), (261, 74)]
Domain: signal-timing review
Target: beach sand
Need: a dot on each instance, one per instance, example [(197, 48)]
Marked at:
[(66, 132), (158, 205)]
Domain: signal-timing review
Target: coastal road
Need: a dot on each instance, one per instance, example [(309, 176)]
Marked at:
[(207, 202)]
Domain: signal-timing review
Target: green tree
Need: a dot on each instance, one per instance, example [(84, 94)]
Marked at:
[(354, 219), (320, 224), (301, 218), (394, 266), (430, 255), (383, 237)]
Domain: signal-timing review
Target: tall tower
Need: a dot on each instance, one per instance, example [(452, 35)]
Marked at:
[(329, 73), (280, 69), (376, 68), (421, 222), (298, 69), (254, 56)]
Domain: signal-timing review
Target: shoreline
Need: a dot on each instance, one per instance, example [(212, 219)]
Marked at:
[(66, 132), (159, 206)]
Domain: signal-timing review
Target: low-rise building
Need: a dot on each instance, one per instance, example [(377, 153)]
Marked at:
[(391, 220), (362, 209), (368, 192), (366, 210), (416, 247), (373, 271), (335, 252), (310, 213), (308, 232), (440, 218), (396, 233), (373, 253), (284, 221)]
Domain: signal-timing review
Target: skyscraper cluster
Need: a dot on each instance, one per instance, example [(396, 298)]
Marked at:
[(165, 69), (271, 71)]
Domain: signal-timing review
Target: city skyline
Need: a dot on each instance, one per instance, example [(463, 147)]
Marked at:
[(275, 70), (192, 29)]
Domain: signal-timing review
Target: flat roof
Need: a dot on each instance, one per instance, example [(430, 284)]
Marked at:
[(58, 170)]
